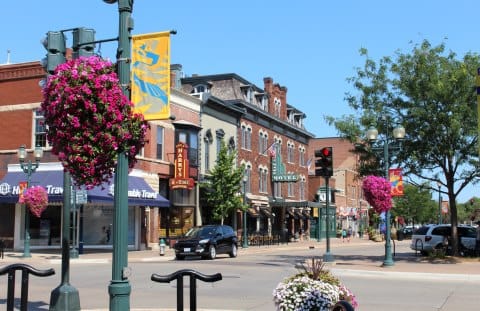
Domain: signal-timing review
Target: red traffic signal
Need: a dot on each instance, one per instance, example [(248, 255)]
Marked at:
[(324, 162)]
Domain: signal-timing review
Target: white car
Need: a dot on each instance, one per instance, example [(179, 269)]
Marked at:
[(430, 237)]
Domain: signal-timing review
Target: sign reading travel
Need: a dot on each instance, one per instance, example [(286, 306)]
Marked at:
[(181, 179)]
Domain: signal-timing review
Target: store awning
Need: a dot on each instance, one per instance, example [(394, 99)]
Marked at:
[(266, 213), (139, 192), (252, 212)]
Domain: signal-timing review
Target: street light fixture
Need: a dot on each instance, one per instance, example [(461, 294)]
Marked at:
[(28, 168), (245, 236), (388, 146)]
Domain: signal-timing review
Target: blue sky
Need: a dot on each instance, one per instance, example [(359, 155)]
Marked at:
[(309, 46)]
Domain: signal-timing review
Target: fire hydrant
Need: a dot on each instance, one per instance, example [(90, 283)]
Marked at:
[(162, 247)]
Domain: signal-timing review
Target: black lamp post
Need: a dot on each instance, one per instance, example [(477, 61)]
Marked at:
[(388, 146), (245, 236), (28, 168)]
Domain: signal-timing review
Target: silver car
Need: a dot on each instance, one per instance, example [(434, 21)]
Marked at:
[(430, 237)]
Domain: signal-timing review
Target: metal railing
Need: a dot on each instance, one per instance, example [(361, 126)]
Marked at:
[(26, 271), (194, 275)]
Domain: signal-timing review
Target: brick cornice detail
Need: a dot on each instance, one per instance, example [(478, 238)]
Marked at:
[(21, 71)]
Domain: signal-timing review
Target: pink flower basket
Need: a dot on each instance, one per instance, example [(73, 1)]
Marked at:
[(36, 199), (90, 120), (377, 191)]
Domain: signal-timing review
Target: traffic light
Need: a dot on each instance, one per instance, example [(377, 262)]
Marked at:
[(324, 162), (83, 42), (56, 49)]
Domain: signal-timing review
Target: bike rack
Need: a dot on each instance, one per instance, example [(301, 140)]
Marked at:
[(194, 275), (26, 270)]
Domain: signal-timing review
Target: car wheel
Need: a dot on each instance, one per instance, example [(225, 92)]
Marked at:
[(233, 252), (212, 252), (179, 257)]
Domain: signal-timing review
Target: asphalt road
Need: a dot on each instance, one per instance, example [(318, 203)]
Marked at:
[(249, 279)]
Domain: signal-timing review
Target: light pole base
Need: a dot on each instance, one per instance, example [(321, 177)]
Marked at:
[(388, 263), (65, 298), (328, 257)]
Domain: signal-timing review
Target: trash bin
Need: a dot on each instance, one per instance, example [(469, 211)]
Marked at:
[(400, 235), (162, 245)]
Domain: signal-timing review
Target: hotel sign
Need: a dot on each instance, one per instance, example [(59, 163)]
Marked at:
[(278, 171), (181, 179)]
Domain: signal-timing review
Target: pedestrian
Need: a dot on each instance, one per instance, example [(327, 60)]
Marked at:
[(344, 235), (477, 240), (349, 233)]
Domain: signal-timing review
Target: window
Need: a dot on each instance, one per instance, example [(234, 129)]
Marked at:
[(231, 144), (262, 143), (263, 180), (201, 88), (301, 189), (301, 156), (40, 129), (207, 154), (220, 134), (248, 173), (160, 142), (290, 152), (290, 189), (246, 137), (190, 138), (277, 106), (277, 189)]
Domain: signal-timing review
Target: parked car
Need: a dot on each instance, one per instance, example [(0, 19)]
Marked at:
[(430, 237), (207, 241), (406, 232)]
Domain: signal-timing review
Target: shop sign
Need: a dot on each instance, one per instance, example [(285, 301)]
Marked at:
[(135, 193), (7, 189), (181, 179)]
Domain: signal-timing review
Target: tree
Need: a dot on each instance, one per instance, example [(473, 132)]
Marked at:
[(223, 185), (416, 205), (432, 94)]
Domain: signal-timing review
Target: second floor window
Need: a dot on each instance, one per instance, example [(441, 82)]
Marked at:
[(290, 153), (40, 129), (263, 180), (160, 143)]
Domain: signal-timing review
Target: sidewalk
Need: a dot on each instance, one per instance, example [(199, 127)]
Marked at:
[(404, 258)]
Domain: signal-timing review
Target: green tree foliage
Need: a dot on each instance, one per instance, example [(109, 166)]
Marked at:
[(432, 93), (224, 185), (416, 205)]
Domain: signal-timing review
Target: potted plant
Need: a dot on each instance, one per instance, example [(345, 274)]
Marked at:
[(314, 288), (36, 200)]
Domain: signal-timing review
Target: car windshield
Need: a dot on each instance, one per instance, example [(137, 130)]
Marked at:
[(200, 232)]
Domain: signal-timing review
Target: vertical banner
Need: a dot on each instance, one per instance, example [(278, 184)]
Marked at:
[(22, 186), (151, 75), (478, 108), (395, 177)]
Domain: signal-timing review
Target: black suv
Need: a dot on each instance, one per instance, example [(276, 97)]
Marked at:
[(207, 241)]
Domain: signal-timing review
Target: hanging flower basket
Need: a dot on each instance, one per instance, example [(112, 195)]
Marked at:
[(90, 120), (36, 199), (377, 191)]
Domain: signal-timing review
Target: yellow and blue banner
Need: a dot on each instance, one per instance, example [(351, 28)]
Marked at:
[(151, 75)]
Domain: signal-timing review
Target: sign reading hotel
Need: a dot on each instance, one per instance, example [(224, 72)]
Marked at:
[(181, 179), (151, 75), (278, 170)]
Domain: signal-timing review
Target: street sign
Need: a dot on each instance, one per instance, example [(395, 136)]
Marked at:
[(81, 196)]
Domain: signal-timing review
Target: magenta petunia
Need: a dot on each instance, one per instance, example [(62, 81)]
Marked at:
[(87, 117), (36, 199), (377, 191)]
